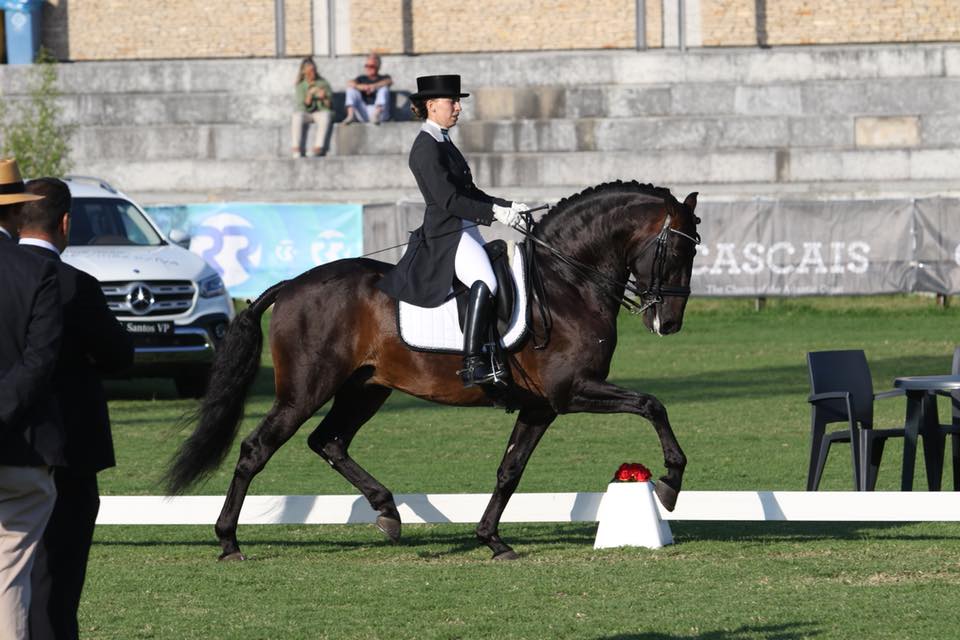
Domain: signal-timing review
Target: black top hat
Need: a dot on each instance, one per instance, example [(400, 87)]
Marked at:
[(438, 87)]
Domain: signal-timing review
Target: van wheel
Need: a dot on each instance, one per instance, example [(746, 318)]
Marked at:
[(193, 384)]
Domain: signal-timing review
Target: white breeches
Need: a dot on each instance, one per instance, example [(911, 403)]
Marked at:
[(472, 263)]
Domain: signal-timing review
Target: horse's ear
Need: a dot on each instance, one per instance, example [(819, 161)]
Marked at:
[(691, 201)]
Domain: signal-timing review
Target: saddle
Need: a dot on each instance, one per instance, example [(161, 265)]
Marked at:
[(440, 329)]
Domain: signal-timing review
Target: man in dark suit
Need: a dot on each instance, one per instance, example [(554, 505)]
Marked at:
[(31, 435), (93, 343)]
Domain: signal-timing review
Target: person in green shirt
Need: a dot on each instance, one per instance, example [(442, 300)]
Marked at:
[(314, 103)]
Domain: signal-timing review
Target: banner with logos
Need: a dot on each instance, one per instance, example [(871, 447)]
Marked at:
[(938, 245), (254, 245), (807, 247)]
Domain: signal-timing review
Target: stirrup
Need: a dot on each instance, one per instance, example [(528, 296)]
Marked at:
[(477, 371)]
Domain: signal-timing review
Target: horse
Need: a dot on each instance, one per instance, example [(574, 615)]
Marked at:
[(333, 335)]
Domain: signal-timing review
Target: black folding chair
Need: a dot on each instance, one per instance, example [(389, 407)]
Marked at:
[(841, 390)]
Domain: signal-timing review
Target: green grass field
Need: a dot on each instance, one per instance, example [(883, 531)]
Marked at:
[(735, 384)]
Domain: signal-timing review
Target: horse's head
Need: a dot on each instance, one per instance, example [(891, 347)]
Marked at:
[(661, 263)]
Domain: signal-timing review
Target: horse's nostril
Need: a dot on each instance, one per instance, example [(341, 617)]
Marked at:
[(669, 326)]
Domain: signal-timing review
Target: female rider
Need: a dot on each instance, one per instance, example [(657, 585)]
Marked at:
[(448, 245)]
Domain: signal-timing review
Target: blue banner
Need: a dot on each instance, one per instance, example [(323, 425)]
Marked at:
[(254, 245)]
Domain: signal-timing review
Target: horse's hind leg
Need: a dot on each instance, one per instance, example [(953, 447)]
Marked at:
[(354, 404), (276, 428), (530, 427)]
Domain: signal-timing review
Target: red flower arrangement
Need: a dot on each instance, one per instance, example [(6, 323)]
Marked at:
[(631, 472)]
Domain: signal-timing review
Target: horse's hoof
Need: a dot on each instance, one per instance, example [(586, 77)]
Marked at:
[(667, 495), (390, 527), (509, 554), (230, 557)]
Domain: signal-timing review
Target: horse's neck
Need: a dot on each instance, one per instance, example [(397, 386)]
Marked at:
[(601, 249)]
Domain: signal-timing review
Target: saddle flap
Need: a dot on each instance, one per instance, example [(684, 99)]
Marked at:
[(440, 329)]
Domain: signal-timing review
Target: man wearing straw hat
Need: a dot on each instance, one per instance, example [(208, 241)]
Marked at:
[(31, 434)]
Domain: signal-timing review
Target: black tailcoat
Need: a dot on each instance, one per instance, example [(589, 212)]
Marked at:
[(31, 326), (424, 274), (93, 343)]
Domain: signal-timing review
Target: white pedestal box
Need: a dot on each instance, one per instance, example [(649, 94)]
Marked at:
[(629, 517)]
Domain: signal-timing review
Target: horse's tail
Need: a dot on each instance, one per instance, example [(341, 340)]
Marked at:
[(218, 417)]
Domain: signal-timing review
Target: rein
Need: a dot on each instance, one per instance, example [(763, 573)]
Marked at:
[(648, 297)]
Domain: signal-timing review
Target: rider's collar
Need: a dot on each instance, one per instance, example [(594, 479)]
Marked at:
[(435, 130)]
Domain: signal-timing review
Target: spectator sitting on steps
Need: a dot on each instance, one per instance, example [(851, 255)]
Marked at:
[(314, 103), (368, 95)]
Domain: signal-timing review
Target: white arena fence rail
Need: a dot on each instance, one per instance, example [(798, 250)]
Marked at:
[(795, 506)]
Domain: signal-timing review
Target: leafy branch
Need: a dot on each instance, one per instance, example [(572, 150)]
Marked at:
[(31, 129)]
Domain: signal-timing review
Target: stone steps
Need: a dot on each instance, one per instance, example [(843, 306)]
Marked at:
[(257, 141), (741, 120), (528, 171), (881, 97), (520, 69)]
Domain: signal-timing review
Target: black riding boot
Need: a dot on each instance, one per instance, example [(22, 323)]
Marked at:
[(479, 367)]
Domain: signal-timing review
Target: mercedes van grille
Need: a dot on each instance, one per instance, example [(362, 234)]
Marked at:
[(149, 298)]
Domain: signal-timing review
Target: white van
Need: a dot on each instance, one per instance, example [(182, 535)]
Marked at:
[(173, 303)]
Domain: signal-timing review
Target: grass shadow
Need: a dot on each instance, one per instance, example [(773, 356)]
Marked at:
[(782, 631), (690, 531), (766, 382)]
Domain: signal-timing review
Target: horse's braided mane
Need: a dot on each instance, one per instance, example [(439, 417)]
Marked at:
[(616, 187)]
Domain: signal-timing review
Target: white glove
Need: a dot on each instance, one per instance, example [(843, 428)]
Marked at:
[(506, 215), (519, 207)]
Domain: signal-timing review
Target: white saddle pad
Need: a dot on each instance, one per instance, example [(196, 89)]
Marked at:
[(438, 328)]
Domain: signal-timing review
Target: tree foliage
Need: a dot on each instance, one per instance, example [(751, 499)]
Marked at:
[(32, 128)]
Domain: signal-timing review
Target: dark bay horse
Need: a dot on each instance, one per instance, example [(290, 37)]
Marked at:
[(333, 334)]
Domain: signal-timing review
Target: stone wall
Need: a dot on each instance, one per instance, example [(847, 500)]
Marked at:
[(378, 26), (500, 25), (787, 22), (728, 22), (147, 29), (818, 22)]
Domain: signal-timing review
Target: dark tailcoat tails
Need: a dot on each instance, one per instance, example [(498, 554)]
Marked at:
[(30, 331), (424, 274), (93, 343)]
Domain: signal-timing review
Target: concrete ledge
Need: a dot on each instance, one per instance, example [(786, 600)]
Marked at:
[(536, 170), (874, 165), (880, 97), (271, 140), (520, 69)]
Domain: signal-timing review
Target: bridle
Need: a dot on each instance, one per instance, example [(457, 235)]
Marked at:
[(655, 292)]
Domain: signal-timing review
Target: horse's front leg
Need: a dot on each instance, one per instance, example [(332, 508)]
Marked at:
[(600, 396), (530, 426)]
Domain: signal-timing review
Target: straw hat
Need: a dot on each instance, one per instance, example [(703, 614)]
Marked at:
[(12, 189)]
